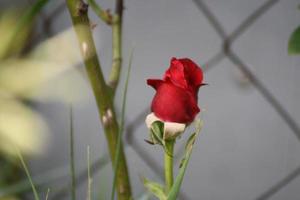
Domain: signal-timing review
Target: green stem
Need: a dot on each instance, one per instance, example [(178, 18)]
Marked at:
[(115, 20), (169, 164), (81, 23), (116, 46), (104, 15), (116, 53)]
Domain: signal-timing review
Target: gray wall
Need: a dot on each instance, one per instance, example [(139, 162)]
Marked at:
[(245, 147)]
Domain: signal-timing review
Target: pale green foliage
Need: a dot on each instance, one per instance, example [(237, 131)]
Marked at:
[(155, 188), (119, 139), (36, 196)]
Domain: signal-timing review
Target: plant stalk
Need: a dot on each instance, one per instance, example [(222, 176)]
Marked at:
[(78, 11), (169, 155), (116, 46)]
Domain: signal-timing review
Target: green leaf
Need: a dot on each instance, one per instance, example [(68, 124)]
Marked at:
[(119, 139), (184, 162), (294, 42), (155, 188), (21, 28), (47, 194), (36, 196), (89, 193), (144, 196), (72, 158)]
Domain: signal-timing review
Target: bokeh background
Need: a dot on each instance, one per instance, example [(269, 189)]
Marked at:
[(249, 146)]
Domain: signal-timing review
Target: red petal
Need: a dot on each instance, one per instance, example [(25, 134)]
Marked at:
[(175, 74), (192, 71), (155, 83), (174, 104)]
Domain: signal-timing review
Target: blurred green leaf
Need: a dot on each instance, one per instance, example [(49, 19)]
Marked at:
[(18, 29), (294, 42), (119, 139), (89, 192), (184, 163), (47, 194), (8, 21), (20, 127), (144, 196), (49, 75), (72, 157), (36, 196), (155, 188)]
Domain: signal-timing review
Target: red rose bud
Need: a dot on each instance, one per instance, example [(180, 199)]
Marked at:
[(176, 95)]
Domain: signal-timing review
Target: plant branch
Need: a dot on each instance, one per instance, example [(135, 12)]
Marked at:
[(102, 14), (116, 46), (78, 11)]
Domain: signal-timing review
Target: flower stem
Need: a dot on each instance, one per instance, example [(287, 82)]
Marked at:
[(169, 164)]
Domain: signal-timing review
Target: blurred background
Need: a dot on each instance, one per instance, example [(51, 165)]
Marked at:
[(250, 144)]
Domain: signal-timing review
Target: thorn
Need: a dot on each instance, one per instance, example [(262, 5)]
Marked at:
[(107, 117), (109, 113), (82, 8), (84, 48), (149, 142), (93, 25), (109, 16), (104, 120)]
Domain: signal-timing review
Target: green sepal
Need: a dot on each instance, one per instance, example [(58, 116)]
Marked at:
[(156, 133), (155, 188)]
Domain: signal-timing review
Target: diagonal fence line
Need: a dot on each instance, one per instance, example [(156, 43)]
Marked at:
[(211, 18), (214, 61), (266, 94), (275, 188), (271, 99), (251, 19)]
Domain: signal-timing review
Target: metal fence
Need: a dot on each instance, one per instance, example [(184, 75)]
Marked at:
[(225, 51)]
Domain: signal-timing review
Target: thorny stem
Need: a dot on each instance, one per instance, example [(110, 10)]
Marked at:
[(102, 14), (169, 154), (115, 20), (78, 11), (116, 52), (116, 46)]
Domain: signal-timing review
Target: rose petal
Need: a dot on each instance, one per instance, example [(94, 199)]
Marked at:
[(192, 71), (173, 129), (174, 104), (155, 83), (150, 119), (175, 74)]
